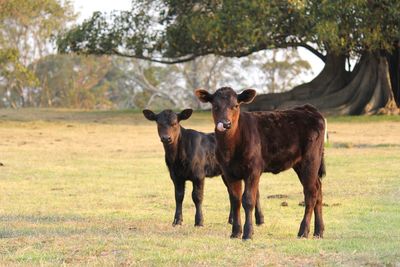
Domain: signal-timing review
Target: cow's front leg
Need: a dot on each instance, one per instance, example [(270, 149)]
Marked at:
[(179, 195), (249, 203), (235, 196), (197, 196)]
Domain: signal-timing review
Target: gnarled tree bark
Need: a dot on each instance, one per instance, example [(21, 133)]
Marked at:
[(394, 70), (367, 89)]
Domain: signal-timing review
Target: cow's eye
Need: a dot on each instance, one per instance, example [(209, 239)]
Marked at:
[(215, 108), (174, 124), (235, 107)]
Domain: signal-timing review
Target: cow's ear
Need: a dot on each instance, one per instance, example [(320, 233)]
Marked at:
[(246, 96), (150, 115), (203, 95), (185, 114)]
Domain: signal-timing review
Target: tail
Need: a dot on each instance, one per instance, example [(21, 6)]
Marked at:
[(322, 169)]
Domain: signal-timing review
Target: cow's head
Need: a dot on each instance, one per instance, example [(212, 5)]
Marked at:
[(168, 123), (226, 105)]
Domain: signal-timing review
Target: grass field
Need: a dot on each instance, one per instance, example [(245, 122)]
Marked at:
[(91, 188)]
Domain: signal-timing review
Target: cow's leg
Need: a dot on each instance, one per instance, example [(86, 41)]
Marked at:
[(308, 179), (197, 196), (235, 196), (258, 212), (249, 203), (318, 221), (179, 194), (230, 218)]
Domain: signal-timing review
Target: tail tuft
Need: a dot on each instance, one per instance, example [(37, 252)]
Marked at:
[(322, 169)]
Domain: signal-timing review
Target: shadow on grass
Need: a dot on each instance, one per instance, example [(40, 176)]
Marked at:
[(351, 145), (71, 225), (42, 219), (34, 225)]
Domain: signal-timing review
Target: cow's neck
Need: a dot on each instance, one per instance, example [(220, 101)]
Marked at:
[(228, 141), (172, 150)]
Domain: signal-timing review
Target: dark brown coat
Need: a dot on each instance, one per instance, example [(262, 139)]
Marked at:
[(189, 156), (250, 143)]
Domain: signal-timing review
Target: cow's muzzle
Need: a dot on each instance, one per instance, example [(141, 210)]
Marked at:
[(224, 125), (166, 139)]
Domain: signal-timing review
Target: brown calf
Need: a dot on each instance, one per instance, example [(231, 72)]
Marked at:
[(189, 155), (250, 143)]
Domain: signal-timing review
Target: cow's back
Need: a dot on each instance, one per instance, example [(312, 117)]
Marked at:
[(285, 136)]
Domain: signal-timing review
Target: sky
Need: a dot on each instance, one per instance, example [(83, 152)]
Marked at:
[(87, 7)]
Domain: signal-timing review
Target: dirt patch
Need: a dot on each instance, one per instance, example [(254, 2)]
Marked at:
[(277, 196), (302, 204)]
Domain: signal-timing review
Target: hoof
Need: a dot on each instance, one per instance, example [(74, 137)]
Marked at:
[(299, 235), (303, 231), (245, 238), (177, 222), (318, 236), (236, 235), (198, 225), (260, 221)]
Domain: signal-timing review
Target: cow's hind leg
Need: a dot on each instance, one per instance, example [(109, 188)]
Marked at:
[(258, 212), (197, 196), (318, 221), (179, 195), (230, 218), (308, 179)]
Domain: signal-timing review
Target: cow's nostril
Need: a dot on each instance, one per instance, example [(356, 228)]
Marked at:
[(166, 139), (227, 124)]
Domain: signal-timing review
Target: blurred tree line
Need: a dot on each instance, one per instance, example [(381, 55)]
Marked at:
[(357, 40), (33, 75)]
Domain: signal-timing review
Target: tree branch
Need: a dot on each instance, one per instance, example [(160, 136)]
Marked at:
[(169, 62), (314, 51)]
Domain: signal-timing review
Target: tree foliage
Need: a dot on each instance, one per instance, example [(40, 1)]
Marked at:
[(72, 81), (30, 25), (367, 30), (27, 28), (183, 30), (14, 76)]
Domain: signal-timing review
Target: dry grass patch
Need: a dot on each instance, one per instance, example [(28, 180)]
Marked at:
[(91, 188)]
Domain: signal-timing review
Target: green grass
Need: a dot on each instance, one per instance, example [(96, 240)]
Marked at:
[(91, 188)]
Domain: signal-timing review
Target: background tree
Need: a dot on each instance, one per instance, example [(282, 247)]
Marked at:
[(73, 81), (161, 86), (13, 78), (277, 70), (27, 28), (335, 31)]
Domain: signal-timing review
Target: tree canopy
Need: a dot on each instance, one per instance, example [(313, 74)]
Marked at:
[(335, 31), (183, 30), (26, 30)]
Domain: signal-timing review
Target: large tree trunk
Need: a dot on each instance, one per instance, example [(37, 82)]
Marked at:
[(394, 69), (365, 90)]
